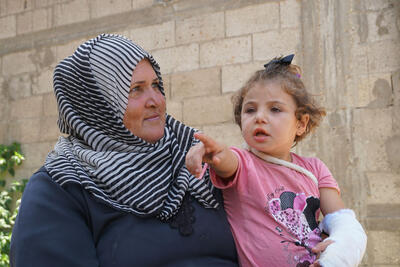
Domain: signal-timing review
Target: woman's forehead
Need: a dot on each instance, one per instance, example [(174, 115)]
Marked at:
[(143, 71)]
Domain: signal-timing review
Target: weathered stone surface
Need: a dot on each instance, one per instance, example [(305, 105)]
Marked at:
[(8, 26), (373, 90), (26, 108), (289, 11), (35, 154), (139, 4), (396, 87), (226, 133), (49, 130), (382, 25), (383, 217), (200, 28), (383, 188), (71, 12), (235, 76), (34, 20), (384, 246), (373, 5), (44, 57), (371, 129), (18, 86), (175, 109), (207, 110), (66, 50), (266, 47), (17, 63), (392, 148), (359, 59), (251, 19), (226, 51), (3, 132), (378, 61), (25, 131), (49, 105), (17, 6), (3, 109), (102, 8), (3, 10), (203, 82), (44, 82), (155, 36), (180, 58)]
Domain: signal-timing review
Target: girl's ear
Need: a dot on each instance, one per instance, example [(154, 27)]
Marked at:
[(302, 124)]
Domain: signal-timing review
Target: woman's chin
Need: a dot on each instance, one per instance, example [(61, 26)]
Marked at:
[(154, 136)]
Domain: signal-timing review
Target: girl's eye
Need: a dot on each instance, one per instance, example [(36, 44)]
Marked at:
[(275, 109), (249, 110)]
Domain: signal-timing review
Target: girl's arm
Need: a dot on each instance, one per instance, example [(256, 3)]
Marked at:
[(330, 200), (347, 240), (218, 156)]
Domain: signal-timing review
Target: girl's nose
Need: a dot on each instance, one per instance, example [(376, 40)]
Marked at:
[(261, 117)]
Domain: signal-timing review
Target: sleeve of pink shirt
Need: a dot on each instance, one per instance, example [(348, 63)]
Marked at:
[(324, 176), (223, 183)]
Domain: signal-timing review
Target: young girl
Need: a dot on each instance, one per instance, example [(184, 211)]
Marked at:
[(272, 196)]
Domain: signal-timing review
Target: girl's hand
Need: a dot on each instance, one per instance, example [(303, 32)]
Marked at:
[(206, 151), (218, 156), (318, 249)]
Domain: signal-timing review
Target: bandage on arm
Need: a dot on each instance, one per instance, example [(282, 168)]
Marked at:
[(348, 236)]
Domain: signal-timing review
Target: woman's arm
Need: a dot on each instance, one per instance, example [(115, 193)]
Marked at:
[(51, 228), (218, 156)]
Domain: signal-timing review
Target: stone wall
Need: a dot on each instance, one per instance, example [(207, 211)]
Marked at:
[(349, 51)]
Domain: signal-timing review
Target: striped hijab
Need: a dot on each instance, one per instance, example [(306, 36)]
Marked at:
[(116, 167)]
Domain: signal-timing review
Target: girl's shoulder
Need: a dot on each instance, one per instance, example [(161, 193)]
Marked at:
[(312, 164)]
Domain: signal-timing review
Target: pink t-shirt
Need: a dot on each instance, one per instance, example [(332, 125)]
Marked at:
[(273, 210)]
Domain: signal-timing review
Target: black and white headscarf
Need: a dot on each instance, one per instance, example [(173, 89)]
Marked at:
[(116, 167)]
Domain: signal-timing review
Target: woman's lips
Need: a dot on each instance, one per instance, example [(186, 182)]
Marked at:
[(152, 118)]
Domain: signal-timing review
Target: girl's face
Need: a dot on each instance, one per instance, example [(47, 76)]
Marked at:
[(145, 113), (268, 119)]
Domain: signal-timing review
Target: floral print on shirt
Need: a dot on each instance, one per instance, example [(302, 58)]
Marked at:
[(296, 214)]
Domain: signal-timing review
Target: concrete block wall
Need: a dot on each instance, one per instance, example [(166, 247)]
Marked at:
[(349, 52)]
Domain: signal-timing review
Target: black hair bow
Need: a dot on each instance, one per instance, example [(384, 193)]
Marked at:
[(284, 60)]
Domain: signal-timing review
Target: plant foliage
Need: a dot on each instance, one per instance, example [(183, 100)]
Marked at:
[(10, 157), (10, 197)]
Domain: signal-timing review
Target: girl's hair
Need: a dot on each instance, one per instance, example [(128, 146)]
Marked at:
[(289, 76)]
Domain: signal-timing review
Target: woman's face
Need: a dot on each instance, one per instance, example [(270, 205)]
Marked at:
[(145, 112)]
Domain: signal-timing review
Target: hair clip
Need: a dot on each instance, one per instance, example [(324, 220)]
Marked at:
[(284, 60)]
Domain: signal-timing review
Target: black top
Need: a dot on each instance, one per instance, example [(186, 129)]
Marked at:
[(65, 226)]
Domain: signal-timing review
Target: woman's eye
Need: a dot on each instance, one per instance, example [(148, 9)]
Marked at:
[(133, 90), (155, 85), (275, 109)]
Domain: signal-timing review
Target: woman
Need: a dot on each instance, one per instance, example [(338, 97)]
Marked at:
[(115, 191)]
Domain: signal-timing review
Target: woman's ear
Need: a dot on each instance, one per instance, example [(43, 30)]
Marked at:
[(302, 124)]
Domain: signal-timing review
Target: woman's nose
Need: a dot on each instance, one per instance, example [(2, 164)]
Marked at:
[(153, 98)]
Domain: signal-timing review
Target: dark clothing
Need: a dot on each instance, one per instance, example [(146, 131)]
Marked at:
[(67, 227)]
